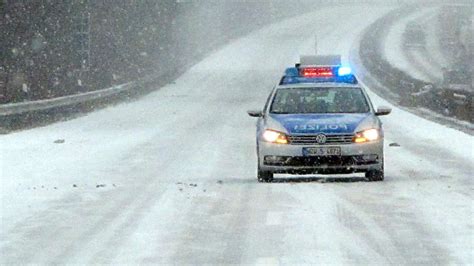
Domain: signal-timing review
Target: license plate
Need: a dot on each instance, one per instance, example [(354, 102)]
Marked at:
[(321, 151)]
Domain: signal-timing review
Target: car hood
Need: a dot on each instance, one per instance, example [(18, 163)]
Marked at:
[(319, 123)]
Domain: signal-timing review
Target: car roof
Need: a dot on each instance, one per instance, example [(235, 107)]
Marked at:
[(318, 85)]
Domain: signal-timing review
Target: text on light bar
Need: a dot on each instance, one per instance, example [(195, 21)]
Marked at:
[(317, 72)]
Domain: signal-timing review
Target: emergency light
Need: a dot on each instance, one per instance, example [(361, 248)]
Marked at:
[(318, 74)]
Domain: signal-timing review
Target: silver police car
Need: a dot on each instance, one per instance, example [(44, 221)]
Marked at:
[(318, 120)]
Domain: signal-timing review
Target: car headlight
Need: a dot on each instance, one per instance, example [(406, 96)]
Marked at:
[(275, 137), (367, 135)]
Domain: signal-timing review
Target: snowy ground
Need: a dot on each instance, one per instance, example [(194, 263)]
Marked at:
[(172, 177), (424, 63)]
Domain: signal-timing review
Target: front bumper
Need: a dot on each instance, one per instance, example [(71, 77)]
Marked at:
[(355, 157)]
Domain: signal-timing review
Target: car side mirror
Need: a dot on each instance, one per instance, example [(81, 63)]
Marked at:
[(382, 110), (254, 113)]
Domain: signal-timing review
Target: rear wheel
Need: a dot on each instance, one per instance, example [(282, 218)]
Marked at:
[(375, 175), (264, 176)]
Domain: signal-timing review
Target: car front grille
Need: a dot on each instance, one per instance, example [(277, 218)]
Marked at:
[(330, 139), (315, 161)]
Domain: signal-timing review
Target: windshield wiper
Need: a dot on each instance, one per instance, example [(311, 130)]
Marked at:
[(280, 113)]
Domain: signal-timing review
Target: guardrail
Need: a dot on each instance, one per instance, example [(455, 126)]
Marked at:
[(22, 107), (399, 86), (22, 115)]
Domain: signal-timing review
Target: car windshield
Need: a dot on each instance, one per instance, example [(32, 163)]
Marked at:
[(319, 100)]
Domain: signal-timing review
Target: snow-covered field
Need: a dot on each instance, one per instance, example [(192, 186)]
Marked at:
[(171, 178)]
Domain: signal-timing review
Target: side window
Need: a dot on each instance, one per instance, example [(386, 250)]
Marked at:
[(268, 102)]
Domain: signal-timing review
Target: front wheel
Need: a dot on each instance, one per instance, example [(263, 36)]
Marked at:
[(264, 176), (375, 175)]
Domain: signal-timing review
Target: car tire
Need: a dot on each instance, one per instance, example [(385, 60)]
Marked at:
[(375, 175), (264, 176)]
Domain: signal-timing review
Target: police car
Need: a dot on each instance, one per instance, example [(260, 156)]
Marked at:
[(319, 120)]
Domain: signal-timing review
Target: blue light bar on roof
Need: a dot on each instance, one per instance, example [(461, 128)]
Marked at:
[(343, 71), (294, 75)]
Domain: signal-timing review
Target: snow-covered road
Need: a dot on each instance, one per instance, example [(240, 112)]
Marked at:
[(426, 62), (171, 178)]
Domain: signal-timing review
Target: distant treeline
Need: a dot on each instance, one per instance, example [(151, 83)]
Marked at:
[(52, 48), (55, 48)]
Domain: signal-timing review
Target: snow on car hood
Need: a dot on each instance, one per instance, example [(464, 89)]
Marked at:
[(319, 123)]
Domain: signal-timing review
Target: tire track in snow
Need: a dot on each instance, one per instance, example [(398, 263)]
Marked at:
[(79, 225), (91, 216)]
